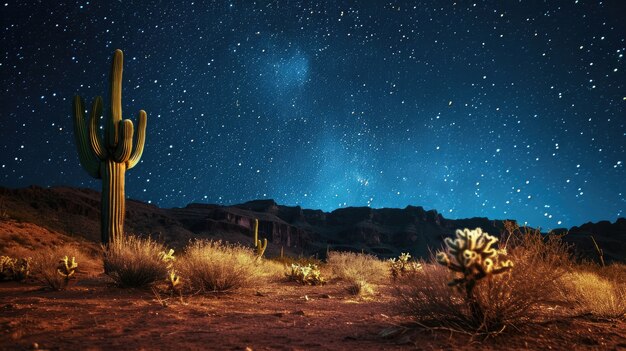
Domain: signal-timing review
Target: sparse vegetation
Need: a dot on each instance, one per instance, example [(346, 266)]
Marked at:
[(403, 265), (359, 270), (216, 266), (259, 245), (481, 301), (67, 269), (55, 268), (136, 262), (472, 257), (16, 269), (596, 295), (305, 275)]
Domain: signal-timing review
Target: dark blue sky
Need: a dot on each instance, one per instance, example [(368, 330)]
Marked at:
[(500, 109)]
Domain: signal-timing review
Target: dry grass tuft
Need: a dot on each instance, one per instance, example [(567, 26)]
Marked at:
[(46, 263), (359, 270), (216, 266), (596, 295), (135, 262)]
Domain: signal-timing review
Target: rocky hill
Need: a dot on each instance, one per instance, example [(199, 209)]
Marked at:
[(384, 232)]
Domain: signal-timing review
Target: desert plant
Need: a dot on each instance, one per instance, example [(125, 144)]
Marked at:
[(306, 275), (16, 269), (259, 245), (67, 269), (599, 251), (498, 300), (360, 288), (136, 262), (596, 295), (359, 270), (471, 255), (53, 267), (215, 266), (109, 158), (173, 281), (403, 265)]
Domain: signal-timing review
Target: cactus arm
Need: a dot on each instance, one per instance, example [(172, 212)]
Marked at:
[(139, 141), (125, 144), (85, 154), (260, 246), (94, 135), (111, 132)]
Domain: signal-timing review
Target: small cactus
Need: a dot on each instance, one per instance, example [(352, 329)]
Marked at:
[(472, 256), (168, 257), (67, 269), (260, 246), (306, 275), (403, 265), (173, 281), (16, 269)]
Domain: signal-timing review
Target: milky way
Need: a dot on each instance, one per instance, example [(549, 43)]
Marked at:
[(499, 109)]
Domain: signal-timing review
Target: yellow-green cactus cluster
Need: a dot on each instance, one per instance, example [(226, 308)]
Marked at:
[(306, 275), (172, 278), (403, 265), (16, 269), (472, 255), (67, 267)]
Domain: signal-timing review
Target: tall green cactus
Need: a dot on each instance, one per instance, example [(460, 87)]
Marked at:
[(109, 158), (260, 246)]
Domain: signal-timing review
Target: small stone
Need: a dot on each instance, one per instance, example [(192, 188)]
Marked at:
[(35, 346)]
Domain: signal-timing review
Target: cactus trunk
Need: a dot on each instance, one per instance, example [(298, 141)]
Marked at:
[(113, 201), (110, 157)]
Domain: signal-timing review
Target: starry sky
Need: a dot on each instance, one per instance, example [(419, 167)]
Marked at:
[(499, 109)]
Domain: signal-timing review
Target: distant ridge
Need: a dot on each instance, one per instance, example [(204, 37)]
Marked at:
[(383, 232)]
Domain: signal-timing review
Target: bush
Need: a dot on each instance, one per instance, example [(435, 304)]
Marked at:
[(306, 275), (136, 262), (596, 295), (403, 266), (215, 266), (359, 270), (512, 298), (16, 269), (49, 265)]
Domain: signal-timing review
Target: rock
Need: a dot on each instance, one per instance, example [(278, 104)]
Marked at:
[(383, 232)]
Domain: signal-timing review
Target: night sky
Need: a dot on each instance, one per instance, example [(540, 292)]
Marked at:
[(499, 109)]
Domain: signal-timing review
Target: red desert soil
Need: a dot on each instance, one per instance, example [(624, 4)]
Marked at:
[(93, 315)]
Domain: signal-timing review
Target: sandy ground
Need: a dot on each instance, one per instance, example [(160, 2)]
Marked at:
[(94, 315)]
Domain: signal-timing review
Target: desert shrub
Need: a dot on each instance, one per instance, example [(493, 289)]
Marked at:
[(49, 265), (470, 298), (360, 288), (137, 262), (359, 270), (287, 261), (16, 269), (403, 265), (596, 295), (216, 266), (305, 275), (614, 272)]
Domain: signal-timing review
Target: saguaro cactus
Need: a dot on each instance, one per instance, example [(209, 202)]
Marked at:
[(109, 158), (260, 246)]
